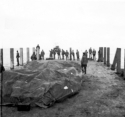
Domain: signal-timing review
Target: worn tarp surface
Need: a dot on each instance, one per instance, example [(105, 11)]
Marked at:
[(41, 83)]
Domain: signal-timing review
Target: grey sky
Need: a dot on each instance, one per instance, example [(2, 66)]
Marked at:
[(68, 23)]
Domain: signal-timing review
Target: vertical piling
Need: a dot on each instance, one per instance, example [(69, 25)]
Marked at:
[(124, 63), (28, 55), (108, 57), (1, 83), (70, 54), (115, 60), (1, 56), (38, 51), (101, 54), (21, 56), (11, 58), (104, 55), (119, 61)]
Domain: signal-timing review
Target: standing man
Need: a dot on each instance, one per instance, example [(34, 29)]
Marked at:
[(17, 57), (67, 54), (90, 53), (73, 54), (42, 54), (86, 53), (77, 54), (63, 54), (51, 53), (58, 52), (94, 54), (84, 62), (1, 68)]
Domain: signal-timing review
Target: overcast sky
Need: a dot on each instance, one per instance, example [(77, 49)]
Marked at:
[(67, 23)]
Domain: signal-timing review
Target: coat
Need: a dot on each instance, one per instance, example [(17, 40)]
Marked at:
[(84, 60)]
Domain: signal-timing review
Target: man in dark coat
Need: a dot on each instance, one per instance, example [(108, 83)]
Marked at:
[(1, 68), (94, 54), (54, 53), (67, 54), (73, 54), (42, 54), (17, 57), (84, 62), (33, 57), (58, 52), (77, 54), (51, 53)]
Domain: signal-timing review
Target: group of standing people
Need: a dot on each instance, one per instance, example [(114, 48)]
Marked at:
[(41, 55), (92, 54), (65, 54)]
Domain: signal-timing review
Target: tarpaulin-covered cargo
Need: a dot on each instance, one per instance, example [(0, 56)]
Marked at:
[(41, 83)]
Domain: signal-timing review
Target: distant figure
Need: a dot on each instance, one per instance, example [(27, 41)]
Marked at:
[(73, 54), (54, 53), (1, 68), (17, 57), (33, 57), (67, 54), (63, 53), (77, 54), (42, 54), (84, 62), (86, 53), (58, 52), (51, 53), (94, 54), (37, 47), (90, 53)]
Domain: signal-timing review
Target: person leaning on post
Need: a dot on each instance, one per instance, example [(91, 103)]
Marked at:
[(84, 62)]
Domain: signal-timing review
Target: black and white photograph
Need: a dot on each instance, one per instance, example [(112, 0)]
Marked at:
[(62, 58)]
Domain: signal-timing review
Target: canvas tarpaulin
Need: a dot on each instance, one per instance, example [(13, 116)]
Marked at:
[(41, 83)]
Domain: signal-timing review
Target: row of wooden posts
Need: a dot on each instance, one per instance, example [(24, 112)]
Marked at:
[(21, 56), (103, 57), (116, 62)]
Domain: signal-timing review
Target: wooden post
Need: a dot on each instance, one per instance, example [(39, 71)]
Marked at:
[(11, 58), (28, 55), (70, 54), (124, 63), (104, 55), (1, 56), (114, 61), (1, 82), (38, 50), (108, 57), (21, 56), (101, 54), (119, 61)]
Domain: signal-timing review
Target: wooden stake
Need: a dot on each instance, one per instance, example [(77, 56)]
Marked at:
[(28, 55), (104, 55), (11, 58), (119, 61), (108, 57), (21, 56)]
